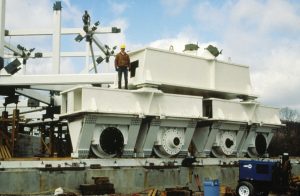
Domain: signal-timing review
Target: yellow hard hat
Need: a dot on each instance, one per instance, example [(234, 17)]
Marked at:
[(123, 46)]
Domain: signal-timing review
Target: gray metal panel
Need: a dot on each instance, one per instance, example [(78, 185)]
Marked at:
[(212, 136), (132, 136), (86, 135), (250, 136), (189, 132), (151, 137), (200, 138)]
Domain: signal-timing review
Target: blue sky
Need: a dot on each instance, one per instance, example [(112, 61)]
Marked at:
[(263, 34)]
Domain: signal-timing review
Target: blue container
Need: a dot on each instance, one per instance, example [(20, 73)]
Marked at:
[(211, 188)]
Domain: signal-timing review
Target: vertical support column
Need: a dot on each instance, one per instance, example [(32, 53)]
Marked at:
[(151, 137), (241, 135), (43, 138), (133, 132), (204, 138), (59, 144), (215, 128), (2, 32), (3, 130), (87, 57), (51, 139), (248, 141), (15, 130), (188, 135), (56, 37)]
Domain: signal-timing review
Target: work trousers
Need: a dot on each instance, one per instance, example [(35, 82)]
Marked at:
[(120, 71)]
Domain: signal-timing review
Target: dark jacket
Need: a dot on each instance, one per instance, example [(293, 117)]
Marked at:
[(122, 60)]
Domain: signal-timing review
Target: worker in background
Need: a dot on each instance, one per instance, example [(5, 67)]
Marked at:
[(86, 19), (122, 65)]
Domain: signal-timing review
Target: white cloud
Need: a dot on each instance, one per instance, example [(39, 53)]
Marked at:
[(120, 23), (118, 8), (28, 14), (39, 14), (168, 43), (246, 13), (39, 66), (210, 16), (267, 16), (185, 36), (280, 16), (71, 14), (174, 7), (45, 66), (279, 82), (67, 66), (263, 35), (188, 35)]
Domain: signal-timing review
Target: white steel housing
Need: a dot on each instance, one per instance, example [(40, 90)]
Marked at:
[(168, 110), (172, 118), (191, 74)]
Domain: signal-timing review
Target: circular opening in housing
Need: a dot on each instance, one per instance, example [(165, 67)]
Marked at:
[(228, 143), (260, 144), (176, 141), (112, 140)]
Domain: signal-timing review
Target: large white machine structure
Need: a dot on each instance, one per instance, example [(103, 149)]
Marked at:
[(177, 105), (176, 101)]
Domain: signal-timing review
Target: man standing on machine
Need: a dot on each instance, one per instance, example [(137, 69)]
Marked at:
[(122, 64)]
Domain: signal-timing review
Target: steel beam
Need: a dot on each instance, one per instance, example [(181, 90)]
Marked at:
[(50, 54), (2, 26), (35, 95), (65, 163), (64, 79), (64, 31), (56, 40)]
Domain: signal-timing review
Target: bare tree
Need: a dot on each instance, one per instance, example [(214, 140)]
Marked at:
[(289, 114)]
